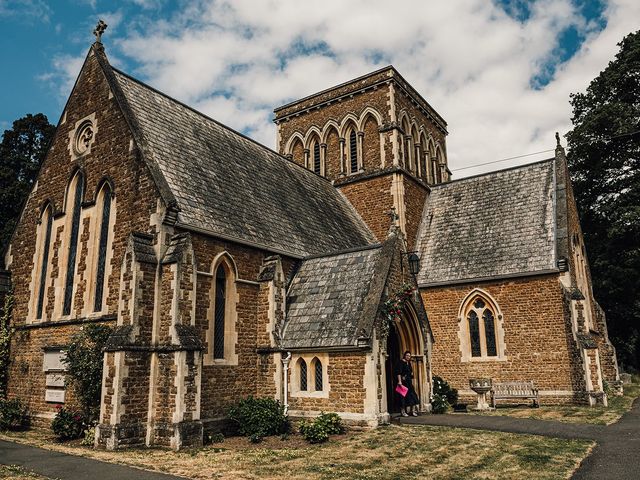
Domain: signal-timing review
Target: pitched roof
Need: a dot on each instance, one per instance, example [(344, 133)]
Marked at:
[(498, 224), (230, 186), (326, 299)]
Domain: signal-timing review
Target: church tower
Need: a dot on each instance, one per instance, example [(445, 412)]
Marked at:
[(377, 140)]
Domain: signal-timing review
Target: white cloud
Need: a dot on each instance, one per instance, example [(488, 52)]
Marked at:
[(26, 10), (237, 60)]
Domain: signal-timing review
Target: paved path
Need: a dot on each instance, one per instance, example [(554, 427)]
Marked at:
[(616, 455), (70, 467)]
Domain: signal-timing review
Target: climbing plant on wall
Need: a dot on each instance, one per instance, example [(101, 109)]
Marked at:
[(5, 336), (393, 306)]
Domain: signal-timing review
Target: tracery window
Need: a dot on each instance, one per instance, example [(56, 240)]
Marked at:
[(47, 221), (77, 185), (481, 326), (102, 247)]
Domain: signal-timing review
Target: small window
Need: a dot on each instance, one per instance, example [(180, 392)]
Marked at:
[(317, 367), (220, 312), (302, 365)]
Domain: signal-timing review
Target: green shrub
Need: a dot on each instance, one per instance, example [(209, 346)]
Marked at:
[(14, 415), (84, 362), (313, 432), (439, 403), (89, 437), (319, 430), (331, 422), (259, 417), (440, 387), (68, 424)]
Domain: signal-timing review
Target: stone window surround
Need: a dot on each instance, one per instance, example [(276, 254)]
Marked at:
[(309, 358), (463, 328), (230, 314), (95, 213), (46, 211)]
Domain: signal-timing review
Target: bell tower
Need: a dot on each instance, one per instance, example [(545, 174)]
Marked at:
[(376, 139)]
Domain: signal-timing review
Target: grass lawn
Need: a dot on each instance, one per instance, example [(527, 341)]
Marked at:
[(392, 452), (13, 472), (618, 405)]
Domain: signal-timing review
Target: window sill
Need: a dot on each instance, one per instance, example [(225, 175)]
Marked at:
[(316, 394), (484, 359)]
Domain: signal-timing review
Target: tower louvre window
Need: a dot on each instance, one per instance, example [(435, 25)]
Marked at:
[(353, 151), (73, 245), (316, 158)]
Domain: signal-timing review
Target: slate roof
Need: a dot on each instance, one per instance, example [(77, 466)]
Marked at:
[(230, 186), (326, 299), (497, 224)]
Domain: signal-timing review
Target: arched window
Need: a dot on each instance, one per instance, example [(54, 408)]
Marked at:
[(103, 239), (481, 322), (46, 220), (76, 191), (302, 375), (353, 151), (220, 312), (317, 374), (316, 158)]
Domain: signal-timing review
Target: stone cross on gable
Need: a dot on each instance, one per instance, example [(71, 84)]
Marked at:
[(99, 30)]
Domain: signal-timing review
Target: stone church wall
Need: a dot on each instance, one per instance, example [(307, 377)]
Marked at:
[(538, 339), (112, 155)]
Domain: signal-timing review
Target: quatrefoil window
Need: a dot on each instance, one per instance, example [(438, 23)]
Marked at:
[(84, 138)]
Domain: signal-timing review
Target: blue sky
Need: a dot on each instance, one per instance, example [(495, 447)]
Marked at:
[(500, 72)]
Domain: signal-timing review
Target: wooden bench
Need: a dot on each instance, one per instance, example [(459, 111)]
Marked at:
[(514, 391)]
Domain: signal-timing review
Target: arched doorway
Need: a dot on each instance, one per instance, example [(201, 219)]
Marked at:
[(405, 334)]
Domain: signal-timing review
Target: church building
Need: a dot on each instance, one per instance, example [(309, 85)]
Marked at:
[(227, 269)]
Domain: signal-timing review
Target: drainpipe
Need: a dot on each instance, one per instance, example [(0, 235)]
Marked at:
[(285, 371)]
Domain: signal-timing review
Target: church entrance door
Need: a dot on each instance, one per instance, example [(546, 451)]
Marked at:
[(405, 334)]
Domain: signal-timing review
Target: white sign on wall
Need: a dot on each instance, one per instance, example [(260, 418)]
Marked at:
[(55, 380), (53, 360), (56, 396)]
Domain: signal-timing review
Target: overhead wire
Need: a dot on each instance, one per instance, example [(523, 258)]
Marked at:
[(542, 151)]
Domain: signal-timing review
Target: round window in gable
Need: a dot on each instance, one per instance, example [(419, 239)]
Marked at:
[(84, 138)]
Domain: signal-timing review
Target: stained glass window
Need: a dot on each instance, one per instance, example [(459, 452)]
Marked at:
[(479, 303), (102, 248), (220, 309), (353, 151), (303, 375), (474, 334), (48, 217), (316, 158), (73, 245), (490, 333), (318, 375)]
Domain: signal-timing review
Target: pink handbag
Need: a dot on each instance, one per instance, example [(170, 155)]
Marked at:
[(402, 390)]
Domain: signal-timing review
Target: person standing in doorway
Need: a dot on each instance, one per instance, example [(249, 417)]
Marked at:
[(404, 375)]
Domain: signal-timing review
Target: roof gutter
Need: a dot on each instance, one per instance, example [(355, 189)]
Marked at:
[(489, 279)]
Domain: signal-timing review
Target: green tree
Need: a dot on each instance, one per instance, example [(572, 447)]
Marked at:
[(22, 150), (604, 160)]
